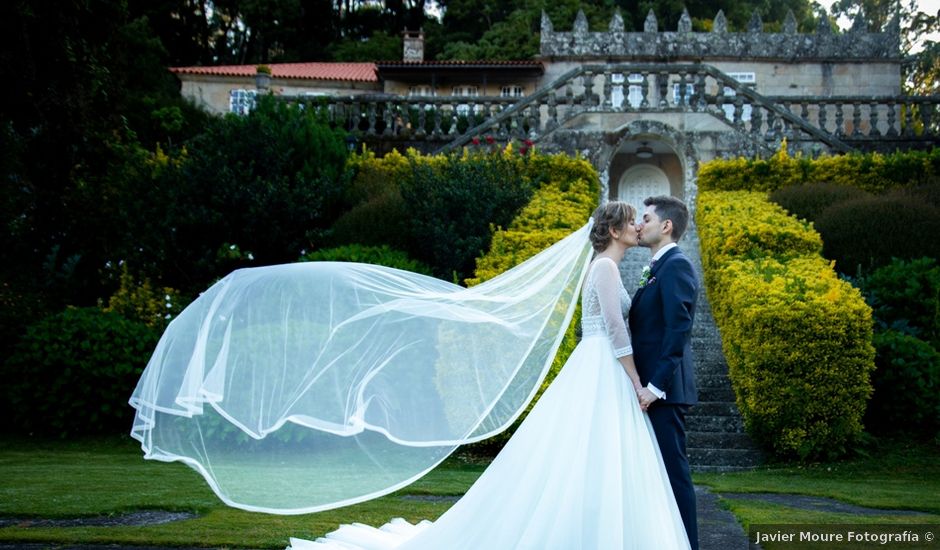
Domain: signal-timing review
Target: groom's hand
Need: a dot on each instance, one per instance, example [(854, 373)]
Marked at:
[(646, 397)]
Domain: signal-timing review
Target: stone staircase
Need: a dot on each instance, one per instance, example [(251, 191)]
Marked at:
[(716, 437), (716, 441)]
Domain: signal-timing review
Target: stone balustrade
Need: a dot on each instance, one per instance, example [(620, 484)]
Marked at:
[(810, 123)]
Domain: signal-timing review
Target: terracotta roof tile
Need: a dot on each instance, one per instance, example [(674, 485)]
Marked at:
[(456, 63), (359, 72)]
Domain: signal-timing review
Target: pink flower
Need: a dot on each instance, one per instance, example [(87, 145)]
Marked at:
[(490, 139), (528, 143), (475, 141)]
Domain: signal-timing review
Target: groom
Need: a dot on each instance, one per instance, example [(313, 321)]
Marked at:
[(661, 324)]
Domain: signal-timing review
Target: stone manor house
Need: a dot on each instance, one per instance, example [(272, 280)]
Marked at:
[(646, 108)]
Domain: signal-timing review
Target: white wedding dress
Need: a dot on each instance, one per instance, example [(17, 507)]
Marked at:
[(582, 472)]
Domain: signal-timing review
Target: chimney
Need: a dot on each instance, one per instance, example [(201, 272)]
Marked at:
[(413, 45)]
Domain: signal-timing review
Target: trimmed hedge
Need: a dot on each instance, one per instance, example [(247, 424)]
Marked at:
[(561, 205), (872, 172), (72, 372), (439, 209), (377, 255), (866, 233), (444, 209), (808, 201), (796, 337)]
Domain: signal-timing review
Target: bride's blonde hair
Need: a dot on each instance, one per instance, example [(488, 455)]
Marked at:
[(611, 215)]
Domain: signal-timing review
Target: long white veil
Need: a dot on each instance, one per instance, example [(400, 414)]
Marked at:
[(303, 387)]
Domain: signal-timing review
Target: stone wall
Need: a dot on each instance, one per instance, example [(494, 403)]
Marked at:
[(857, 44), (855, 63)]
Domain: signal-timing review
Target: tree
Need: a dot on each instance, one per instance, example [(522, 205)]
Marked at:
[(490, 29), (921, 70)]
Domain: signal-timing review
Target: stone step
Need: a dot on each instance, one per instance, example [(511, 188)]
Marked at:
[(724, 424), (711, 369), (725, 394), (719, 440), (737, 458), (714, 408), (712, 380)]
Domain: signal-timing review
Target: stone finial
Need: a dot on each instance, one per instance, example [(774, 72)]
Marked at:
[(858, 24), (789, 24), (894, 34), (823, 27), (546, 23), (616, 22), (894, 26), (755, 24), (651, 25), (685, 22), (720, 23), (580, 23)]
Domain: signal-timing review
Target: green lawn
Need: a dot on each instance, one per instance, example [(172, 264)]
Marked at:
[(59, 479), (897, 476), (94, 478)]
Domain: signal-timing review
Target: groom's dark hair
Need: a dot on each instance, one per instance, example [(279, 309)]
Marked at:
[(671, 208)]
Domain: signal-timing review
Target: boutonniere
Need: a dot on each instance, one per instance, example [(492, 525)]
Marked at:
[(646, 277)]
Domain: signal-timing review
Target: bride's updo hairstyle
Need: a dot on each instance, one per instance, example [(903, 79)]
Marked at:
[(611, 215)]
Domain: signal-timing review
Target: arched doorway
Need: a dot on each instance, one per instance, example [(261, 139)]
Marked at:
[(642, 181)]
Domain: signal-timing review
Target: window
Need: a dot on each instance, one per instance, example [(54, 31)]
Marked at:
[(421, 91), (676, 93), (512, 91), (241, 101), (744, 78), (635, 93), (634, 90), (466, 91)]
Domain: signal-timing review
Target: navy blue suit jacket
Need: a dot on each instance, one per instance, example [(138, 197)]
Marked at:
[(661, 328)]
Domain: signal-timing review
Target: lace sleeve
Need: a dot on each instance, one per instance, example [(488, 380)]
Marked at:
[(607, 281)]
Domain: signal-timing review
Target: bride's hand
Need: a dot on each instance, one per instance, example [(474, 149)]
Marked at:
[(639, 389)]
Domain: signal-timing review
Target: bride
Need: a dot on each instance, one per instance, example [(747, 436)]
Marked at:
[(583, 471)]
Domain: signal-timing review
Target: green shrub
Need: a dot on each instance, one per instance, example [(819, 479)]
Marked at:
[(905, 296), (73, 372), (928, 193), (907, 386), (807, 201), (440, 209), (443, 209), (454, 207), (379, 220), (377, 255), (797, 338), (866, 233), (140, 301)]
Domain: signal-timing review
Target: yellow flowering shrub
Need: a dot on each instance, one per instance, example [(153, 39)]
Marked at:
[(872, 172), (796, 337)]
